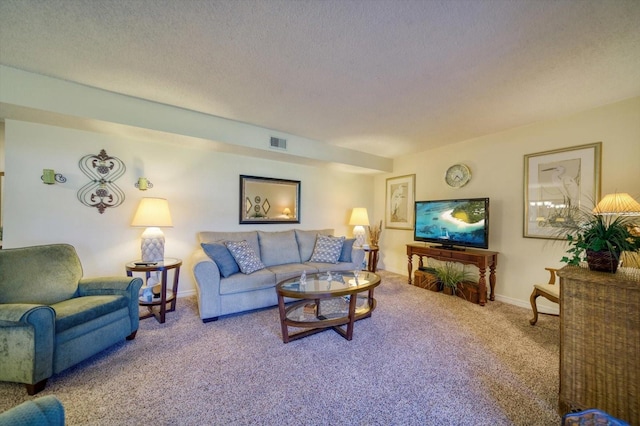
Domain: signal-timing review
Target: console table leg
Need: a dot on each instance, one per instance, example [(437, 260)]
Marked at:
[(482, 287), (492, 281), (410, 266)]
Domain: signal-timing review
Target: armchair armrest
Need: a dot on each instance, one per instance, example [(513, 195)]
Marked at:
[(27, 336), (125, 286), (128, 287), (552, 275)]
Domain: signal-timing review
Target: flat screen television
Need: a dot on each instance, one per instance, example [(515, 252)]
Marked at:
[(453, 223)]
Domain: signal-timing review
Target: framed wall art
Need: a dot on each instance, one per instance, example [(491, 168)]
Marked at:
[(269, 200), (557, 184), (399, 202)]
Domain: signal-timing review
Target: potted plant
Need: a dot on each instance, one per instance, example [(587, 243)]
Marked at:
[(600, 239), (450, 274)]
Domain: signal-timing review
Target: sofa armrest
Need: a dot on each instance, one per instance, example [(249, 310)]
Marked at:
[(207, 278), (27, 336), (128, 287)]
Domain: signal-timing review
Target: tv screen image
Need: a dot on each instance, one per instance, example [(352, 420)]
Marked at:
[(462, 222)]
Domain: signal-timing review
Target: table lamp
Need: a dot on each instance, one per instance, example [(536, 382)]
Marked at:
[(619, 204), (152, 213), (359, 219)]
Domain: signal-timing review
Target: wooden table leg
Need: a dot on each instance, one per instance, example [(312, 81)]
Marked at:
[(283, 317), (482, 287), (352, 315), (176, 274), (410, 266), (492, 281)]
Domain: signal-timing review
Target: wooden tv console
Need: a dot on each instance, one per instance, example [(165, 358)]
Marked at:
[(483, 259)]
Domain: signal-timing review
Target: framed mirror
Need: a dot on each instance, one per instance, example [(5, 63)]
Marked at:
[(269, 200)]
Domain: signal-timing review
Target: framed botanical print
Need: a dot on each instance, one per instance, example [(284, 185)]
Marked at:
[(399, 202), (557, 184)]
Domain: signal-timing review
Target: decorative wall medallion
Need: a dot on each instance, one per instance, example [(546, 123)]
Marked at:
[(101, 192), (266, 206)]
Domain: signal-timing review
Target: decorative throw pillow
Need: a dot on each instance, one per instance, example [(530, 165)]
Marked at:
[(219, 253), (347, 246), (327, 249), (245, 256)]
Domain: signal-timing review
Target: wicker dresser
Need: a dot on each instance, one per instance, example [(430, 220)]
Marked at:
[(600, 342)]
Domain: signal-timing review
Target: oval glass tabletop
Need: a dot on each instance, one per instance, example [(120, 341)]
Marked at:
[(331, 284)]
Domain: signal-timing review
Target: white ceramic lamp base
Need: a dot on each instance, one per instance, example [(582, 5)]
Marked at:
[(359, 233), (152, 245)]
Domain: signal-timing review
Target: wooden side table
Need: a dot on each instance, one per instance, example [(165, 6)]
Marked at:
[(372, 261), (166, 296)]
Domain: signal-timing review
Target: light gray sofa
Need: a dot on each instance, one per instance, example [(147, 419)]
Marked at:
[(285, 254)]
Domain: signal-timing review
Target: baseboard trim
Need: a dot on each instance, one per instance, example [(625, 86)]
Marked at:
[(527, 304)]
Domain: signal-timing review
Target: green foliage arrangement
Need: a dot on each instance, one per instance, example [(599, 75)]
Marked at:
[(600, 233), (450, 274)]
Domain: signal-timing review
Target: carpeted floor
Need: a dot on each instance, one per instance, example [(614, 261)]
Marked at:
[(423, 358)]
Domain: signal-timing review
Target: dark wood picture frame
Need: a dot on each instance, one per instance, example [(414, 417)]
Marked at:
[(279, 200)]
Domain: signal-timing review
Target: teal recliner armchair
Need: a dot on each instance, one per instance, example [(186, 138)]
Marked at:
[(51, 318)]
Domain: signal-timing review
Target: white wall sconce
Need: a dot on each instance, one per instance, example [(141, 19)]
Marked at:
[(49, 176), (143, 184)]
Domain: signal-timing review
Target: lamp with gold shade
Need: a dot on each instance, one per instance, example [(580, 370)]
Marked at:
[(619, 204), (359, 219), (152, 213)]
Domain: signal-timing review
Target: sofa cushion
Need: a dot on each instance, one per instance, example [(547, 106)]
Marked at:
[(290, 270), (40, 275), (307, 241), (245, 256), (347, 246), (278, 248), (221, 237), (327, 249), (323, 267), (219, 253), (239, 283), (80, 310)]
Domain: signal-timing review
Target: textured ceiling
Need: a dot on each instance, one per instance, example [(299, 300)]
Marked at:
[(389, 77)]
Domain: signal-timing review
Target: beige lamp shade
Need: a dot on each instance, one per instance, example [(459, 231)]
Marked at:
[(621, 204), (152, 213), (359, 216)]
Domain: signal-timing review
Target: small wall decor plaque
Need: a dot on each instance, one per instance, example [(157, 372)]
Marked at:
[(102, 170)]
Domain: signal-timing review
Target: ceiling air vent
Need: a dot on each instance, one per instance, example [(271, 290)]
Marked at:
[(278, 143)]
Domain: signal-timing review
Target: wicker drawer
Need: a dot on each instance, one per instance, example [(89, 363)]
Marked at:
[(600, 342)]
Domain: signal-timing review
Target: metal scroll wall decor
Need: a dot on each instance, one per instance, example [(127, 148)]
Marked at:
[(101, 192)]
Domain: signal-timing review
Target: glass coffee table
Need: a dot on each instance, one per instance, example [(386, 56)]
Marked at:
[(326, 301)]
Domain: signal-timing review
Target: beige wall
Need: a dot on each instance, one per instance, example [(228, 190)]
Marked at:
[(201, 182), (201, 185), (496, 162)]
